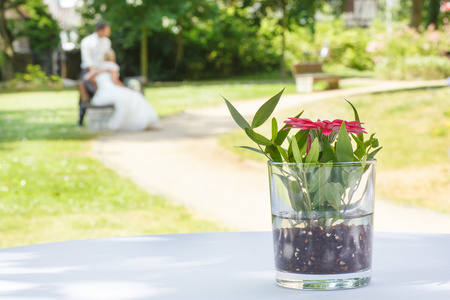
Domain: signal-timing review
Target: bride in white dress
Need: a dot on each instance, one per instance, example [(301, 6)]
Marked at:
[(132, 111)]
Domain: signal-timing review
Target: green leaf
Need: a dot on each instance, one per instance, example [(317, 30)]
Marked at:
[(353, 177), (283, 133), (313, 155), (257, 138), (327, 153), (360, 135), (354, 110), (373, 153), (375, 143), (302, 139), (344, 150), (275, 155), (361, 150), (266, 110), (369, 142), (319, 178), (252, 149), (296, 196), (296, 151), (290, 190), (238, 118), (333, 194), (318, 198), (359, 153), (274, 129), (283, 153), (354, 174), (358, 142)]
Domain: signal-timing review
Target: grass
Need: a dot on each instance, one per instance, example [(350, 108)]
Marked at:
[(414, 129), (52, 189), (171, 98)]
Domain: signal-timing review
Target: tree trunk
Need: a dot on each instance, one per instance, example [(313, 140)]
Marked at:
[(283, 40), (6, 48), (180, 48), (433, 12), (416, 13), (144, 52)]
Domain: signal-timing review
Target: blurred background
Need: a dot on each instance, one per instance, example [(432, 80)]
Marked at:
[(52, 187), (203, 39)]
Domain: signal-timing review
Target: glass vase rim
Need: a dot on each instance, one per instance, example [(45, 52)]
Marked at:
[(328, 164)]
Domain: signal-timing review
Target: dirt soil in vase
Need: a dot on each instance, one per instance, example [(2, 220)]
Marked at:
[(323, 250)]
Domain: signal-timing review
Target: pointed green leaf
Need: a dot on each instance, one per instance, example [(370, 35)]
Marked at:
[(354, 110), (274, 154), (354, 176), (252, 149), (282, 134), (361, 150), (369, 142), (319, 198), (360, 135), (283, 153), (238, 118), (344, 150), (289, 190), (257, 138), (274, 129), (359, 153), (266, 110), (373, 153), (327, 153), (313, 155), (358, 141), (319, 178), (302, 139), (296, 151), (375, 143), (333, 194)]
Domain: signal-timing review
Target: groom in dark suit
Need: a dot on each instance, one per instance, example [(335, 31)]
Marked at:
[(93, 49)]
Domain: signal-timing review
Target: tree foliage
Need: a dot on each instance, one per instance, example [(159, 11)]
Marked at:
[(199, 38), (40, 27)]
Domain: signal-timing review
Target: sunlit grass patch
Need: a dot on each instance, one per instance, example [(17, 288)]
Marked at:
[(52, 189)]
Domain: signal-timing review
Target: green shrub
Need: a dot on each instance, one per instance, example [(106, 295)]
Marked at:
[(416, 67), (34, 78), (406, 53), (347, 45)]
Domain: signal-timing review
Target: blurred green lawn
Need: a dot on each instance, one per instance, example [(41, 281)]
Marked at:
[(52, 189)]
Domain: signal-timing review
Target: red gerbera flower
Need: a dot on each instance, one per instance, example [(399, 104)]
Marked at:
[(326, 127)]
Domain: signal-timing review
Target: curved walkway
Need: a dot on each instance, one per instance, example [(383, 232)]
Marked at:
[(182, 162)]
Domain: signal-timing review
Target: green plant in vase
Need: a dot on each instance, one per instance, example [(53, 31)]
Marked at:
[(322, 188)]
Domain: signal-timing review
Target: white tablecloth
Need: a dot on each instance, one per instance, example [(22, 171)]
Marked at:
[(211, 266)]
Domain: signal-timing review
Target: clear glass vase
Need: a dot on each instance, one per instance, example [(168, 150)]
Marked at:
[(322, 223)]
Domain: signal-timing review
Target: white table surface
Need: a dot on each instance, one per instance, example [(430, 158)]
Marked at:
[(211, 266)]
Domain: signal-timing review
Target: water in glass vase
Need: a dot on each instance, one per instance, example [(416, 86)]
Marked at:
[(321, 251)]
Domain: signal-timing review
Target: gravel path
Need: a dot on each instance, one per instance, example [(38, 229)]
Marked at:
[(182, 162)]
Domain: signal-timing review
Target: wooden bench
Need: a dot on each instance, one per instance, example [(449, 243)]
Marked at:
[(306, 74), (97, 115)]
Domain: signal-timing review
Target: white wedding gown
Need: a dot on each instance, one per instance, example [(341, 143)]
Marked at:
[(132, 111)]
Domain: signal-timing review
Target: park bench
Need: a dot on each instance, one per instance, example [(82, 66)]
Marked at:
[(306, 74), (99, 115)]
